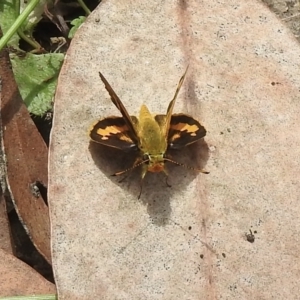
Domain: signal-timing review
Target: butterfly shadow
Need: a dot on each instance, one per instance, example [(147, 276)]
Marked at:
[(157, 188)]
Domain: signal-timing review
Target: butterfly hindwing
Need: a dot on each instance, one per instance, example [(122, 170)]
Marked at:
[(113, 132), (184, 130)]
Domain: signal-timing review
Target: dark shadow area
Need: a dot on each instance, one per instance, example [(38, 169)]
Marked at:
[(44, 125), (156, 194), (39, 190), (46, 29), (25, 250)]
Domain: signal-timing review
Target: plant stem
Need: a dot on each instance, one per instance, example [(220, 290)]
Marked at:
[(84, 7), (18, 22)]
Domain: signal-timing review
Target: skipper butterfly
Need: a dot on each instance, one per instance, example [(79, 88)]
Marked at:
[(150, 136)]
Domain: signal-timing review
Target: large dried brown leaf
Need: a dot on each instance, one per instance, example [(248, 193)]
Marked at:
[(26, 160), (5, 237), (188, 241), (18, 279)]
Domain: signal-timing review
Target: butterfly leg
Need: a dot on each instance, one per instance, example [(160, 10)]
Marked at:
[(137, 163), (141, 189), (144, 172), (167, 177), (121, 180), (129, 171), (167, 183)]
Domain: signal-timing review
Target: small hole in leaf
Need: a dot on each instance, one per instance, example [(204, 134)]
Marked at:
[(39, 190)]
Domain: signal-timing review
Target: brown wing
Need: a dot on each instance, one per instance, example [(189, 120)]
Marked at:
[(113, 132), (184, 130), (172, 103), (117, 102)]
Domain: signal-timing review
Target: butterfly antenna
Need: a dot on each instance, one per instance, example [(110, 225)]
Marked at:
[(131, 168), (186, 166)]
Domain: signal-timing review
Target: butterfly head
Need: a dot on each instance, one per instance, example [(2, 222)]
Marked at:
[(154, 163)]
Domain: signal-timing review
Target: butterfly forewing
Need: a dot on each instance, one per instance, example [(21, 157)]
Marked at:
[(117, 102), (172, 103)]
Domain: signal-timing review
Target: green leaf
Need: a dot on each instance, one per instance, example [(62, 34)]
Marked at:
[(76, 23), (36, 76), (8, 15)]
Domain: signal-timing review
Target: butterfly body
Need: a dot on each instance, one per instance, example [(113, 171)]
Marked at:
[(152, 135), (152, 142)]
